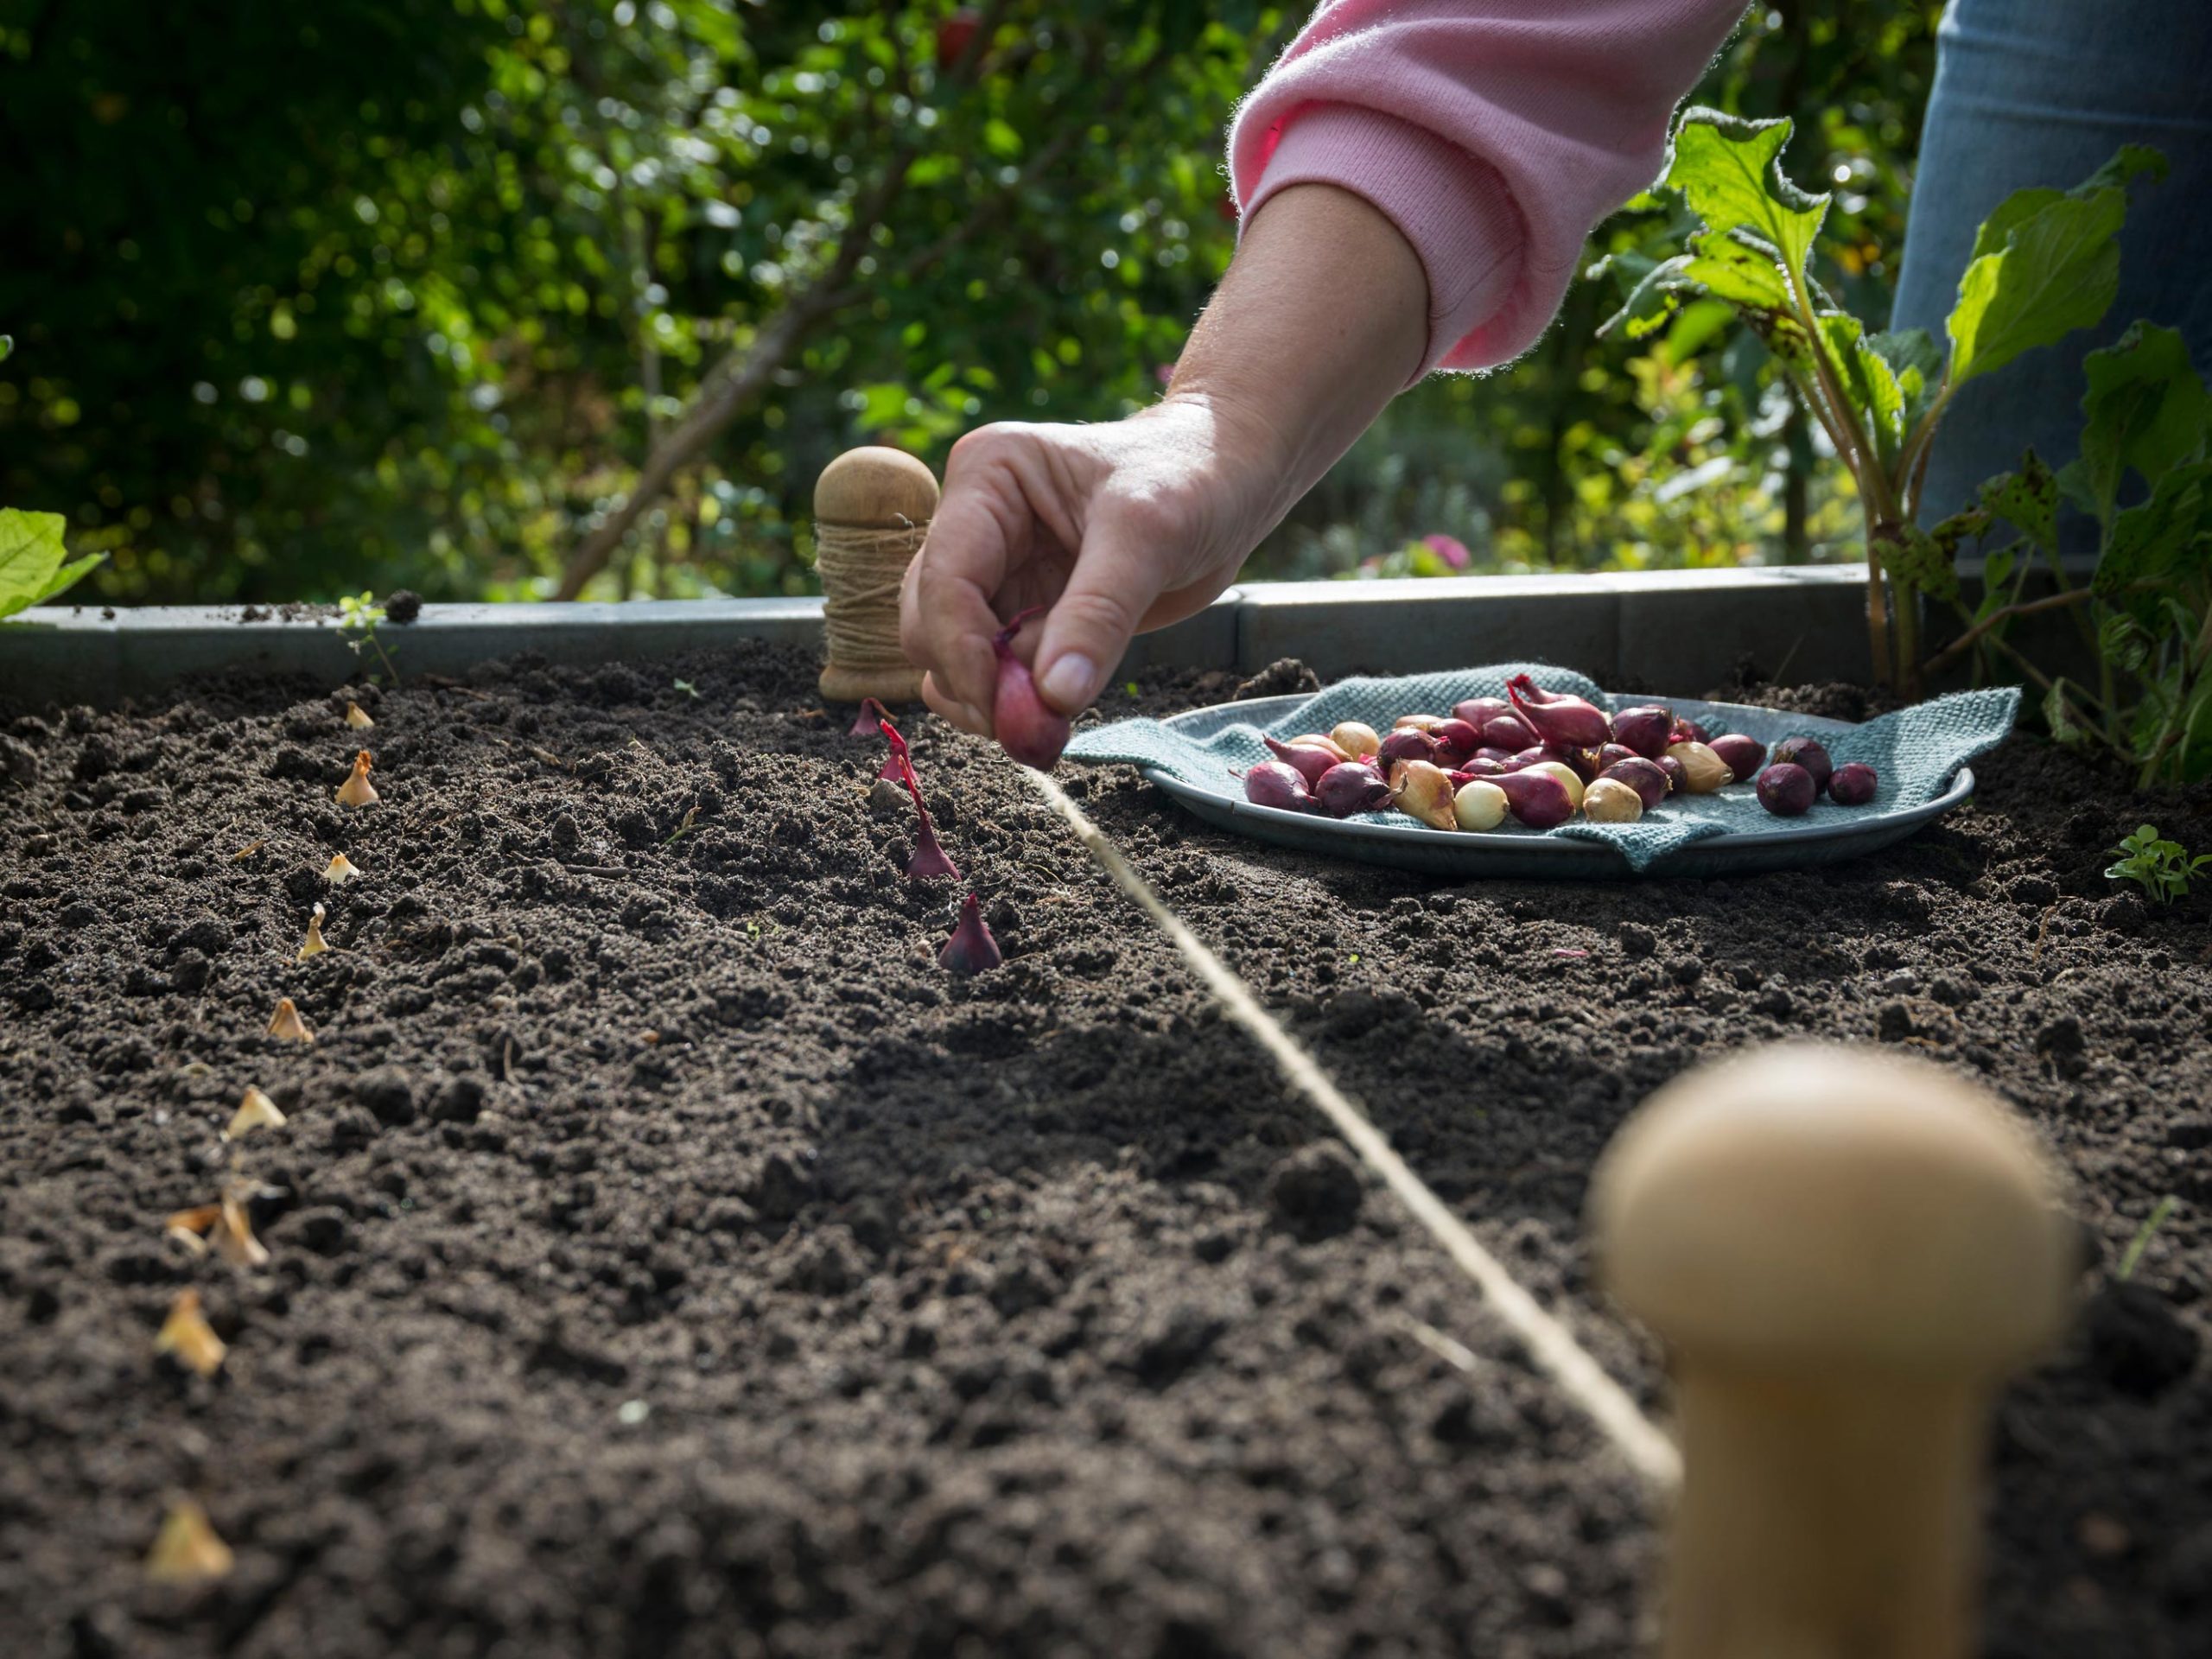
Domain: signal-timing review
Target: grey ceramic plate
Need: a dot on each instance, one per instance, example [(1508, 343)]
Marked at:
[(1776, 845)]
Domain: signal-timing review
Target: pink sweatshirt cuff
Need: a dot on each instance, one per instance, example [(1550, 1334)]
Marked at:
[(1454, 209), (1492, 133)]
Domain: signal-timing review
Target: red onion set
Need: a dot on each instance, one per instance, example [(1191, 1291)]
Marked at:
[(1540, 757)]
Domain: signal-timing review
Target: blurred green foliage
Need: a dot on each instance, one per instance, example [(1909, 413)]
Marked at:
[(384, 293)]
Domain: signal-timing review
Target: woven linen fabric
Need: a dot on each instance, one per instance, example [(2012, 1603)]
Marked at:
[(1916, 750)]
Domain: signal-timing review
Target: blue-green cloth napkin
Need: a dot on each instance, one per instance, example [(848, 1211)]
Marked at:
[(1916, 751)]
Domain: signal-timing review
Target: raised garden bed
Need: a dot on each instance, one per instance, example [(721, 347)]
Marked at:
[(667, 1257)]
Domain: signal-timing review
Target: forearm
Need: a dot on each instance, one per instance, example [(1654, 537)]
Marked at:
[(1322, 319)]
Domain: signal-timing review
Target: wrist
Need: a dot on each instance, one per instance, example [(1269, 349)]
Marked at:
[(1321, 321)]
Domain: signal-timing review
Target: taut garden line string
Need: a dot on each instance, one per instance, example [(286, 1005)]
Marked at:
[(1553, 1347)]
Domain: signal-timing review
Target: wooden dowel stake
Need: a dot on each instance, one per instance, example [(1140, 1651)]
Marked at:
[(1846, 1253), (871, 509)]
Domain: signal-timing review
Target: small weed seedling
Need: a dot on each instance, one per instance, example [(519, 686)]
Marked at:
[(2161, 869), (2144, 1235), (686, 688), (360, 616)]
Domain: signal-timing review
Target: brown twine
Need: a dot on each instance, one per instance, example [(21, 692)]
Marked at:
[(1548, 1341), (861, 571)]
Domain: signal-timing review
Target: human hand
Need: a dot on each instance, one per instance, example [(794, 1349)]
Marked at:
[(1112, 529), (1138, 523)]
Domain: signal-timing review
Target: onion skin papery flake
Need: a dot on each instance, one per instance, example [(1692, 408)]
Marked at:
[(187, 1337), (186, 1551), (286, 1026)]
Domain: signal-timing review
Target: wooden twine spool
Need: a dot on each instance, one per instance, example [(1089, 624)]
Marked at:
[(1846, 1253), (872, 507)]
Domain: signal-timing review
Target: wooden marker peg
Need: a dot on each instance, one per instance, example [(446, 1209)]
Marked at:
[(872, 507), (1846, 1253)]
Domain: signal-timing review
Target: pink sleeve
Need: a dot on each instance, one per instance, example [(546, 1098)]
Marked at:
[(1493, 133)]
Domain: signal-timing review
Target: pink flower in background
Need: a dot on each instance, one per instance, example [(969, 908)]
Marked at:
[(1164, 372), (1450, 548)]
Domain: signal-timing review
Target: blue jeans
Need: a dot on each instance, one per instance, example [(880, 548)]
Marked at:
[(2042, 93)]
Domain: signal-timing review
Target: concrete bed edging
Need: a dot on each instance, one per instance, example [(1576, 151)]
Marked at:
[(1677, 630)]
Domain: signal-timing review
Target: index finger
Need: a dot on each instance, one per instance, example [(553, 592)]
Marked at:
[(945, 619)]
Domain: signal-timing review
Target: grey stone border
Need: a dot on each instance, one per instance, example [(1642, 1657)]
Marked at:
[(1671, 630)]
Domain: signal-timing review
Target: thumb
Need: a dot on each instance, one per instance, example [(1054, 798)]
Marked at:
[(1116, 580)]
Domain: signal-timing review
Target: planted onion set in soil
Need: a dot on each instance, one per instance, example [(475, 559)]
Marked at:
[(660, 1252), (1528, 757)]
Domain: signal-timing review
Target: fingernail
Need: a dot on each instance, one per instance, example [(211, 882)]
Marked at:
[(1068, 683)]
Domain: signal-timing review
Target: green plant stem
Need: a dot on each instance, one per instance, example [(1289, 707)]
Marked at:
[(2030, 669), (2132, 1257), (1877, 613), (2148, 774), (1906, 626), (1959, 646), (1876, 499), (1912, 460), (2168, 738)]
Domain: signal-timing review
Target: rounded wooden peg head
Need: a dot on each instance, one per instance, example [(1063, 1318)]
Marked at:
[(875, 488), (1845, 1251), (1821, 1207), (872, 507)]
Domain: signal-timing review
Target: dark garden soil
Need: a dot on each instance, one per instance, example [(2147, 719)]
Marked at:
[(668, 1258)]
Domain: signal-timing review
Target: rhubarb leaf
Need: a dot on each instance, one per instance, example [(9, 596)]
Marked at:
[(2044, 264), (2158, 539), (2145, 410), (1730, 173), (1917, 361), (1868, 381)]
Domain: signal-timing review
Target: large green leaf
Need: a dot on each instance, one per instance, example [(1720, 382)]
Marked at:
[(1732, 268), (2009, 215), (1729, 172), (68, 575), (2056, 272), (31, 551), (2128, 164), (2155, 541), (2044, 264), (2145, 410)]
